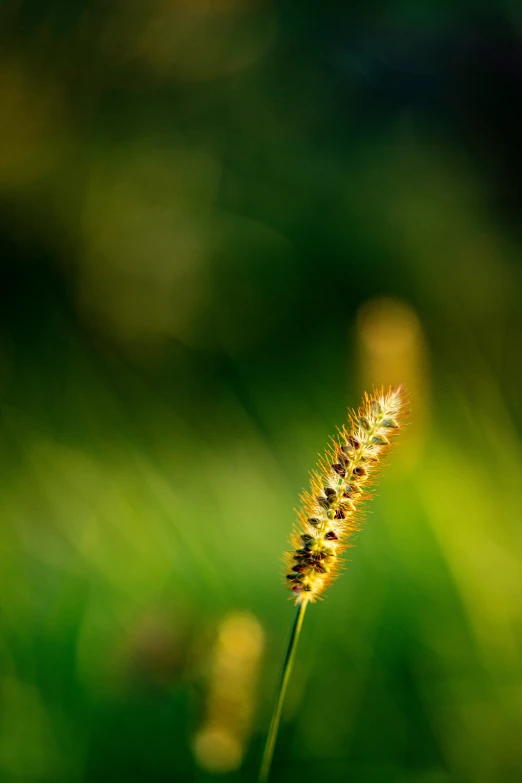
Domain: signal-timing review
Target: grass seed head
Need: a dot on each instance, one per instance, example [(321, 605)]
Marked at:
[(329, 513)]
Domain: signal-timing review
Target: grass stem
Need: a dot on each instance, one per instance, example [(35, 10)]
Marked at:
[(285, 677)]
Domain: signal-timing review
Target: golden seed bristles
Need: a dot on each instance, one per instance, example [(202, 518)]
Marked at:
[(329, 512)]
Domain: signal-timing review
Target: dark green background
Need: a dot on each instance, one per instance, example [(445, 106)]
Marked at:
[(204, 208)]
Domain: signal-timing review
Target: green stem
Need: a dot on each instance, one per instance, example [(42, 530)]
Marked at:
[(287, 670)]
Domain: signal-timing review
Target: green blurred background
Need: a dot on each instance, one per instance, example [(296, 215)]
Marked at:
[(221, 221)]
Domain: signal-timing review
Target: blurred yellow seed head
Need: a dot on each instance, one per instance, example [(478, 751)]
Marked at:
[(220, 743)]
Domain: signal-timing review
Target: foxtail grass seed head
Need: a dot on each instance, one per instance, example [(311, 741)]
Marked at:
[(220, 743), (329, 513)]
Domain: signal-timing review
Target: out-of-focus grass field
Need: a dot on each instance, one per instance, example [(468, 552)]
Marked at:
[(220, 224)]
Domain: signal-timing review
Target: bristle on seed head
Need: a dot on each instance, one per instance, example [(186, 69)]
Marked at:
[(329, 512)]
